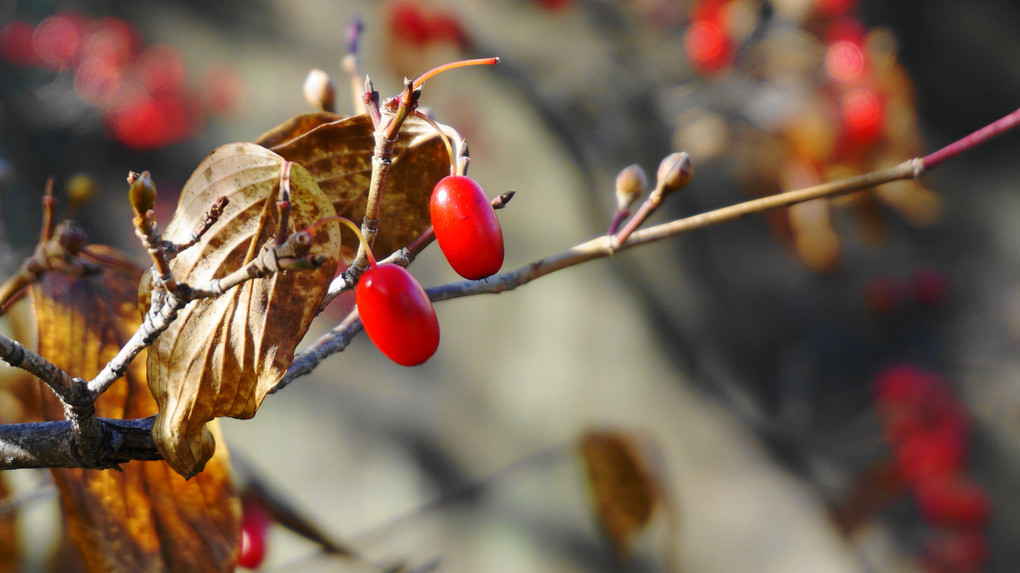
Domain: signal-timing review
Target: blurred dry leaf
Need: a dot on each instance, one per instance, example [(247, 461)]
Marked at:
[(10, 551), (222, 355), (19, 390), (623, 489), (339, 157), (146, 518)]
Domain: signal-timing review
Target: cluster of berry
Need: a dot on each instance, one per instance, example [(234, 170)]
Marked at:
[(140, 91), (394, 308), (823, 98), (929, 430)]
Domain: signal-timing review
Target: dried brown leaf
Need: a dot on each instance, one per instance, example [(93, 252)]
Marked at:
[(623, 489), (339, 157), (222, 355), (146, 518), (294, 127)]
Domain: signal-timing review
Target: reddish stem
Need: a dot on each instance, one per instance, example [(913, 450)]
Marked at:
[(460, 64), (980, 136)]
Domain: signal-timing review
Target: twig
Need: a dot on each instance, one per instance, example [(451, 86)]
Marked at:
[(971, 141), (382, 159), (338, 338)]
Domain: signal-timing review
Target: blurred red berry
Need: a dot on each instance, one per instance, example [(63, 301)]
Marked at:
[(863, 115), (161, 70), (708, 47), (408, 22), (954, 501), (554, 5), (16, 44), (932, 453), (144, 121), (904, 385), (845, 62), (834, 7), (57, 40), (97, 81), (955, 551), (254, 530), (447, 28), (110, 41)]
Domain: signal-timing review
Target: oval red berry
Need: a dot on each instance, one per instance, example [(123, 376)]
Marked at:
[(397, 314), (254, 529), (466, 227)]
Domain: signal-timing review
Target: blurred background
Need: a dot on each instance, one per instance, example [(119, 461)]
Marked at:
[(832, 387)]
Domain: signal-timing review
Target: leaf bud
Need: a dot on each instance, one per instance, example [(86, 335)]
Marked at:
[(142, 192), (631, 184), (71, 236), (675, 172), (320, 91)]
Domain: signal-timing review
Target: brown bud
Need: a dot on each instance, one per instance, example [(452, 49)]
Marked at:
[(80, 189), (631, 184), (71, 236), (320, 91), (142, 192), (675, 172)]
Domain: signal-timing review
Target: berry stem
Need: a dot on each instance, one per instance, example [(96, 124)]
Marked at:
[(442, 134), (352, 226), (458, 64)]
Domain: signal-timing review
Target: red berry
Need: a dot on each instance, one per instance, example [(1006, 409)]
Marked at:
[(254, 527), (16, 44), (466, 227), (863, 115), (58, 39), (932, 453), (397, 314), (845, 62), (955, 551), (953, 500), (708, 46), (410, 23)]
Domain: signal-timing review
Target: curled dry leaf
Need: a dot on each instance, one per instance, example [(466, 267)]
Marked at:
[(295, 127), (222, 355), (338, 154), (145, 518), (623, 489)]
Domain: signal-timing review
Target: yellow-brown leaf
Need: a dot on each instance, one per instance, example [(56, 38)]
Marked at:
[(294, 127), (222, 355), (10, 550), (623, 490), (339, 156), (146, 518)]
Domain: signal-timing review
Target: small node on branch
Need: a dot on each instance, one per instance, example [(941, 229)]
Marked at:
[(675, 172), (142, 193), (320, 91), (631, 184)]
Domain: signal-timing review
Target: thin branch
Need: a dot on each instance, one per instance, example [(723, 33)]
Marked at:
[(13, 353), (338, 338), (971, 141)]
